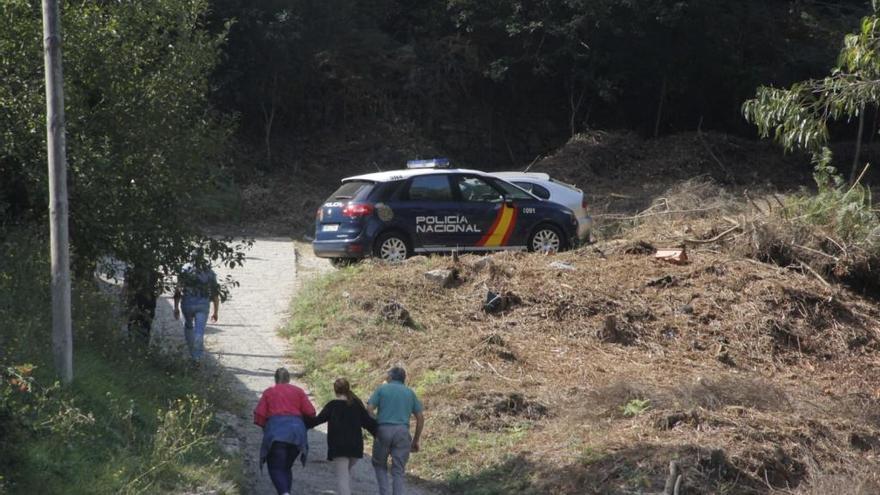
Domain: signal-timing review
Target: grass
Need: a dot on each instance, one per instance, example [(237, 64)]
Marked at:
[(115, 409), (635, 407), (456, 458), (311, 310), (129, 423)]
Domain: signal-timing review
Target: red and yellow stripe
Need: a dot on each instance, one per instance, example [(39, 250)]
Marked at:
[(501, 228)]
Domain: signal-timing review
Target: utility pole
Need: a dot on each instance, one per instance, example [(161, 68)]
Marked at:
[(62, 335)]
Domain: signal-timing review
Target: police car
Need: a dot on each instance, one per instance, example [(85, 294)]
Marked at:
[(430, 208)]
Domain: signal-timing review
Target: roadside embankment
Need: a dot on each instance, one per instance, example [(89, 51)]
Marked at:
[(131, 422)]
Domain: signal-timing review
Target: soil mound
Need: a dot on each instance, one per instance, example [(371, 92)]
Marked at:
[(621, 171)]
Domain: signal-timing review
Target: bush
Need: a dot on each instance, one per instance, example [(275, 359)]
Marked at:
[(101, 434), (844, 213)]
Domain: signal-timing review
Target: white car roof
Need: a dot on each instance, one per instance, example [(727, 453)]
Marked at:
[(522, 175), (391, 175)]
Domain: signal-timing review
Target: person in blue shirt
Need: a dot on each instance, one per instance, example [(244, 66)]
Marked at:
[(393, 404), (197, 288)]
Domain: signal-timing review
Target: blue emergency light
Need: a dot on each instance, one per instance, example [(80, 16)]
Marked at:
[(432, 163)]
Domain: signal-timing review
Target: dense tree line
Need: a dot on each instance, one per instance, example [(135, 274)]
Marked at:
[(155, 89), (513, 77)]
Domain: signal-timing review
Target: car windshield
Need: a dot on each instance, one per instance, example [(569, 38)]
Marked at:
[(350, 189)]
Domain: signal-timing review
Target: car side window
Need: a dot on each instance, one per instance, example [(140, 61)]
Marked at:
[(511, 191), (429, 188), (386, 191), (477, 189), (537, 190)]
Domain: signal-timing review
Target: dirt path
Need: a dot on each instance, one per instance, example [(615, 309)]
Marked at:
[(245, 343)]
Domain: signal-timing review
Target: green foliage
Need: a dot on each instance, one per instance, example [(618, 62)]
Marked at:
[(635, 407), (798, 118), (143, 142), (432, 378), (182, 429), (845, 213), (113, 439), (102, 434), (499, 74)]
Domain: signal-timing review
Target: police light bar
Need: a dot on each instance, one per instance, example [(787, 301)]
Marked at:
[(432, 163)]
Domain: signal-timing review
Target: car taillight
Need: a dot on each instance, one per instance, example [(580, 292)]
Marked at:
[(584, 201), (355, 210), (319, 215)]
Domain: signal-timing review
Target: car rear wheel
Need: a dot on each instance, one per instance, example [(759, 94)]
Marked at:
[(392, 247), (546, 239)]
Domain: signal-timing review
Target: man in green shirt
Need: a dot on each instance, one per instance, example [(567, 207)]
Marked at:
[(394, 403)]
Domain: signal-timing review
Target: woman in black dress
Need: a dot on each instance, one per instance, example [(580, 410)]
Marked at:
[(345, 416)]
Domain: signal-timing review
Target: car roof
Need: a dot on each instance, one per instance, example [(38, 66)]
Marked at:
[(522, 175), (403, 174)]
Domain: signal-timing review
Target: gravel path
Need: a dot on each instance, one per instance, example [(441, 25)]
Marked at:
[(245, 343)]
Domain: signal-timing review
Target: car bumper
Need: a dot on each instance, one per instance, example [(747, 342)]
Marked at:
[(585, 226), (343, 248)]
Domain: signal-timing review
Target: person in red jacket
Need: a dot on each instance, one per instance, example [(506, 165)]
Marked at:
[(280, 413)]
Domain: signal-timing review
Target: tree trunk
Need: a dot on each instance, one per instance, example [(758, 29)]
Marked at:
[(574, 107), (874, 124), (855, 165), (62, 336), (660, 107), (269, 119)]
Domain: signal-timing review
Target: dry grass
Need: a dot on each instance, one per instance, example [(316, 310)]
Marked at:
[(749, 364), (748, 370)]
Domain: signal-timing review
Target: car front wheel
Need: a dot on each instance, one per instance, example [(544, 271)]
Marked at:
[(392, 247), (546, 239)]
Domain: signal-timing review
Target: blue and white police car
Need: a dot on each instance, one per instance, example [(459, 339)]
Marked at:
[(430, 208)]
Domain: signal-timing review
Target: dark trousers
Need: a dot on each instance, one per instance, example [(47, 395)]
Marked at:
[(141, 312), (279, 462)]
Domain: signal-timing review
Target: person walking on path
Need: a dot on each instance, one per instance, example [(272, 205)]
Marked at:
[(395, 403), (345, 416), (281, 413), (197, 288)]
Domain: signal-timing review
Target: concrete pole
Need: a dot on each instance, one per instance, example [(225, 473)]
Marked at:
[(62, 335)]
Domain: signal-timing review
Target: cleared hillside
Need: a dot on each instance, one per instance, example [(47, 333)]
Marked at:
[(753, 364)]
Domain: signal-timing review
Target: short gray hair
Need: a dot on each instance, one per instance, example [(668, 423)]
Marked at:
[(282, 375), (397, 374)]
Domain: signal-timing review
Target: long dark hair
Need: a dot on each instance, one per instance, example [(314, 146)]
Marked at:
[(343, 388)]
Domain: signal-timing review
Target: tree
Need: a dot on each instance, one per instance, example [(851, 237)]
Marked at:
[(143, 141), (798, 117)]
